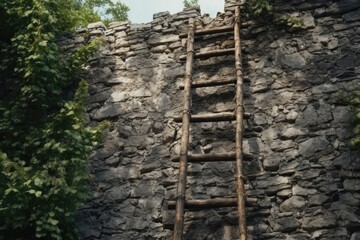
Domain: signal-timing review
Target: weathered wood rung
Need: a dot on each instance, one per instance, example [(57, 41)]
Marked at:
[(217, 82), (215, 30), (209, 54), (208, 31), (212, 203), (218, 157), (213, 117)]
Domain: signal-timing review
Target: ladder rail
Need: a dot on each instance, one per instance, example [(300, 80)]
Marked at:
[(184, 146), (239, 129)]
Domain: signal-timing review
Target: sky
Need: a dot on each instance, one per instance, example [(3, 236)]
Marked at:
[(141, 11)]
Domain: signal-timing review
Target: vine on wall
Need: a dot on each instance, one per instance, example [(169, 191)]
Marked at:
[(44, 140)]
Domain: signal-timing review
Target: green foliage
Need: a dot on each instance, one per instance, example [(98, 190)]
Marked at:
[(191, 3), (260, 7), (289, 21), (263, 9), (44, 140), (355, 105), (96, 10)]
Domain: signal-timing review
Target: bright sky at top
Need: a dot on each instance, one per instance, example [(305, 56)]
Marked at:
[(141, 11)]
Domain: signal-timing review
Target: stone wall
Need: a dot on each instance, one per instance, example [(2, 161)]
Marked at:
[(300, 169)]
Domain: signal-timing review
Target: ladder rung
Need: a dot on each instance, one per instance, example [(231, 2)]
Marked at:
[(211, 203), (214, 53), (219, 157), (202, 32), (213, 117), (217, 82)]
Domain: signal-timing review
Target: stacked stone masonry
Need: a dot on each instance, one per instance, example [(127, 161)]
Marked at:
[(302, 172)]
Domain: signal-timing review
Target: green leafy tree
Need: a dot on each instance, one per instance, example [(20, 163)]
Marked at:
[(259, 7), (264, 9), (191, 3), (96, 10), (44, 140)]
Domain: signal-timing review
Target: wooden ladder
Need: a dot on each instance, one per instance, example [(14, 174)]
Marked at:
[(238, 115)]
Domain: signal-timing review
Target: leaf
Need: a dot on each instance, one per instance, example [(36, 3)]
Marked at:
[(76, 126), (38, 182), (53, 221), (38, 193)]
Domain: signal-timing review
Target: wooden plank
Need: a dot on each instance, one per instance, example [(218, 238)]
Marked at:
[(215, 30), (209, 54), (218, 157), (213, 117), (208, 31), (240, 189), (216, 82), (184, 146), (212, 203)]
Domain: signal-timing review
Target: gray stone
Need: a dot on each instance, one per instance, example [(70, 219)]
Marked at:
[(158, 39), (110, 146), (324, 113), (333, 44), (343, 6), (292, 116), (271, 163), (121, 43), (352, 16), (284, 224), (299, 236), (155, 159), (300, 191), (114, 223), (159, 49), (291, 133), (307, 174), (317, 200), (281, 145), (162, 102), (118, 194), (120, 34), (118, 80), (352, 199), (341, 114), (272, 181), (294, 60), (325, 88), (143, 189), (174, 72), (352, 184), (87, 226), (286, 193), (355, 236), (109, 111), (308, 117), (293, 204), (119, 97), (96, 25), (308, 20), (335, 233), (140, 92), (260, 119), (269, 134), (320, 221), (313, 145), (100, 97)]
